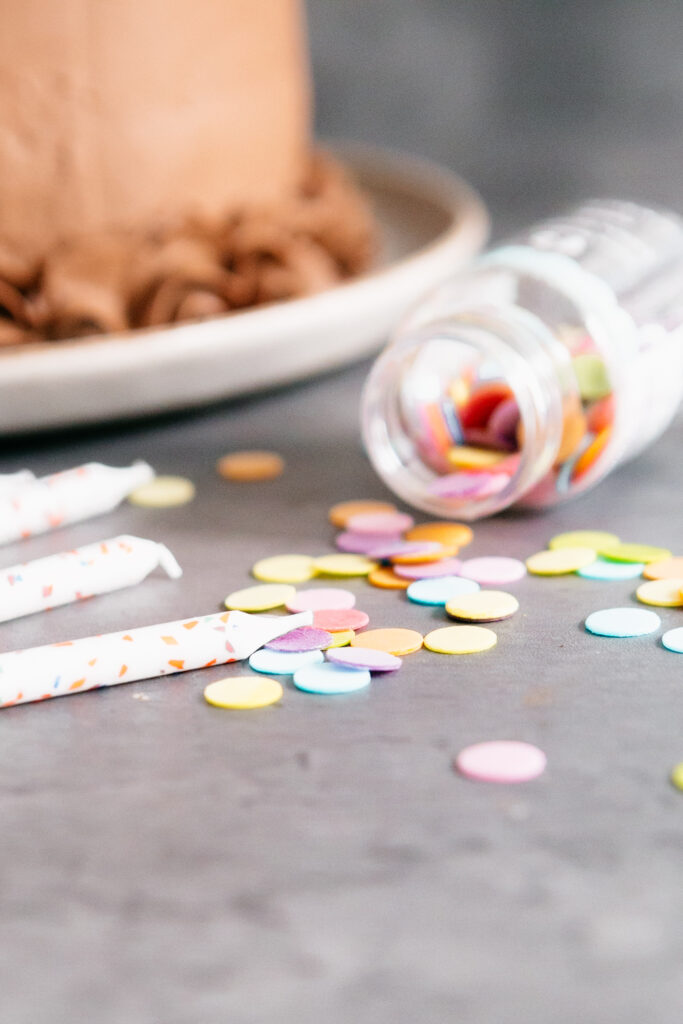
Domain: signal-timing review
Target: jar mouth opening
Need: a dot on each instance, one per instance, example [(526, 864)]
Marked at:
[(456, 422)]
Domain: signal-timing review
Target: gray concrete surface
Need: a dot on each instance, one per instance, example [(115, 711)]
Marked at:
[(167, 863)]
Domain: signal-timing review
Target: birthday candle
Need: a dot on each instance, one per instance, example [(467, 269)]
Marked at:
[(67, 497), (57, 670), (74, 575), (10, 482)]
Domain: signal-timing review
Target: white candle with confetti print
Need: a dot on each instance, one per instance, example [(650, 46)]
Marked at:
[(57, 670), (67, 497), (70, 576), (11, 482)]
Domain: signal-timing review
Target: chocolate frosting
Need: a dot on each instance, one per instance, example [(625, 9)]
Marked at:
[(120, 280)]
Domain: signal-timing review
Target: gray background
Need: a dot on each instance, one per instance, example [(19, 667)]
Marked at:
[(167, 863)]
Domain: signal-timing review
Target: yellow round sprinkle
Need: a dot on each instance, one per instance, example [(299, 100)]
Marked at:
[(284, 569), (482, 606), (396, 641), (386, 579), (460, 640), (667, 569), (340, 514), (677, 775), (240, 693), (448, 534), (595, 539), (260, 598), (663, 593), (560, 561), (344, 565), (419, 557), (341, 639), (163, 492), (634, 553), (463, 456), (250, 466)]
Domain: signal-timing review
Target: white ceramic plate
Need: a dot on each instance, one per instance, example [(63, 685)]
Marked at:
[(430, 223)]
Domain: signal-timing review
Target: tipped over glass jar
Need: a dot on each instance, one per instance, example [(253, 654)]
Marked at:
[(528, 377)]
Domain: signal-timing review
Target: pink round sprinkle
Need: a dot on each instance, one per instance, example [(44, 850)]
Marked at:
[(380, 522), (501, 761), (364, 657), (384, 552), (318, 598), (493, 571), (428, 570), (336, 620), (461, 486), (361, 543), (303, 638)]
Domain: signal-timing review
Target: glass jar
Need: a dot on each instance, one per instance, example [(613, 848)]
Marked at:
[(528, 377)]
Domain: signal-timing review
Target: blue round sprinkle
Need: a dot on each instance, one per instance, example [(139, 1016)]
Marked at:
[(601, 569), (440, 589), (283, 663), (673, 640), (623, 622), (329, 678)]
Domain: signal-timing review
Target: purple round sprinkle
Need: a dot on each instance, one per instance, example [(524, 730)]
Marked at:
[(361, 543), (364, 657), (303, 638), (503, 424), (386, 551), (461, 486), (428, 570)]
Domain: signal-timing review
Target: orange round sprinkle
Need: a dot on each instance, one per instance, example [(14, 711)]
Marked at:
[(250, 466), (340, 514), (396, 641), (387, 579), (666, 569), (455, 534), (418, 557), (591, 454)]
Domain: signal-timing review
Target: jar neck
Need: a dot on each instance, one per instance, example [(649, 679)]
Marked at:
[(506, 345)]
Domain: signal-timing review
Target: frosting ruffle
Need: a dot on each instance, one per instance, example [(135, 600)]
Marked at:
[(192, 269)]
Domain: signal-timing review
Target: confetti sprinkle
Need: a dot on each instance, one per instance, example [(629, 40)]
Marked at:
[(285, 569), (456, 534), (340, 639), (439, 590), (340, 619), (668, 568), (595, 539), (503, 761), (429, 570), (329, 679), (673, 640), (241, 693), (340, 514), (365, 657), (395, 640), (163, 492), (250, 466), (663, 593), (460, 640), (320, 598), (493, 570), (622, 622), (676, 776), (343, 565), (283, 663), (483, 606), (603, 569), (633, 553), (388, 523), (304, 638), (387, 579), (560, 561), (260, 598)]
